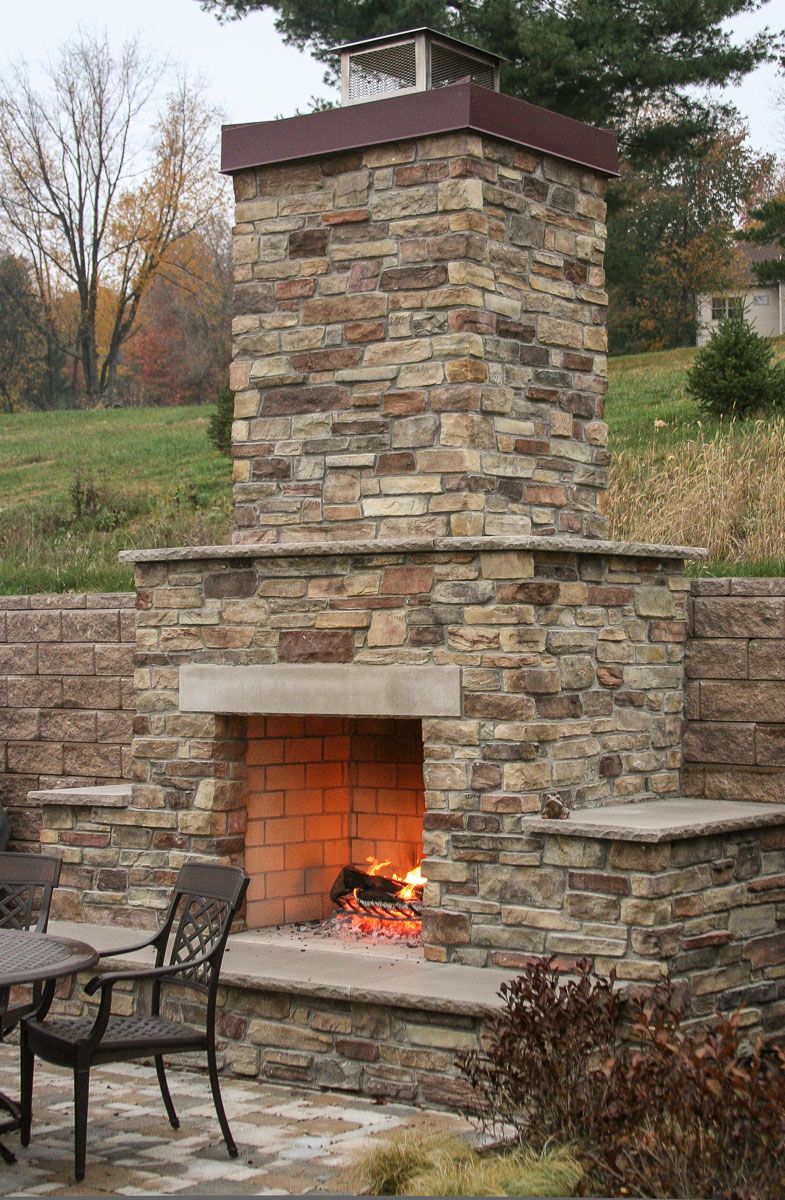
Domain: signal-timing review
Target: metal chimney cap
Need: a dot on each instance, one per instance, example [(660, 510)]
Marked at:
[(415, 60), (407, 33)]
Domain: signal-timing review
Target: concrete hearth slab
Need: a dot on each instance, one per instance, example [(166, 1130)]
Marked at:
[(263, 961), (661, 820)]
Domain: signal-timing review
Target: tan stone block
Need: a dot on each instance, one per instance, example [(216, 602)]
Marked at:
[(384, 353), (467, 429), (388, 628), (554, 332), (507, 564), (460, 193), (595, 337)]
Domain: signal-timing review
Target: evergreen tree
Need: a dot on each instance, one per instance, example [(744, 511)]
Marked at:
[(736, 374), (769, 229), (219, 428), (626, 65)]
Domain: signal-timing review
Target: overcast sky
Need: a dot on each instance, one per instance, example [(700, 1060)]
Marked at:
[(251, 75)]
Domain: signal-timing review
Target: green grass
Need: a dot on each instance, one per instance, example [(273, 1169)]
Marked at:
[(158, 481), (147, 476)]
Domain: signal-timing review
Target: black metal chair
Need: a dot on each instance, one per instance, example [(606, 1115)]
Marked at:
[(26, 885), (203, 904)]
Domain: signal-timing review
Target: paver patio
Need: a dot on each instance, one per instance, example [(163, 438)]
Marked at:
[(289, 1143)]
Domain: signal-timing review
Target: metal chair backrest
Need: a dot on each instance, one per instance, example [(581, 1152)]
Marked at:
[(26, 885), (204, 902)]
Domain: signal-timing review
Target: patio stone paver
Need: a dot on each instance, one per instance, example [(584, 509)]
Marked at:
[(290, 1142)]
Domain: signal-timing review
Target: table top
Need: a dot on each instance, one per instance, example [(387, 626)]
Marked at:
[(27, 957)]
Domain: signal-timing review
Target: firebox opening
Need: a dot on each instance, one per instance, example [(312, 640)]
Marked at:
[(325, 793)]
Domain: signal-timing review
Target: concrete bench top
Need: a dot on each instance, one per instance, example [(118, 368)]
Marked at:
[(277, 961), (661, 820)]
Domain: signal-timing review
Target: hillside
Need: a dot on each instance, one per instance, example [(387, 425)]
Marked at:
[(693, 481), (76, 487)]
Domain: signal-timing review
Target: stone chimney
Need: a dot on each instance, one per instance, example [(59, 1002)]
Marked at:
[(419, 330)]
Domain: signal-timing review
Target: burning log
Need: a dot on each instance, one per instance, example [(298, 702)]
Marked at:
[(367, 894), (350, 880)]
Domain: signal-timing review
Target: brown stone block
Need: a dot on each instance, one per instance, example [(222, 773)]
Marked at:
[(90, 626), (720, 658), (114, 659), (34, 758), (769, 745), (308, 243), (20, 724), (234, 584), (766, 951), (34, 691), (364, 331), (742, 700), (69, 725), (407, 580), (738, 617), (316, 646), (719, 742), (18, 659), (598, 881), (93, 760), (292, 401), (91, 692), (766, 659), (35, 626), (609, 595), (441, 928), (66, 659), (762, 784)]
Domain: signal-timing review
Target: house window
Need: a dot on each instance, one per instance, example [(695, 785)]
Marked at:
[(723, 307), (761, 299)]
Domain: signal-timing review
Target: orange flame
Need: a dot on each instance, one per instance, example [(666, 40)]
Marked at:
[(414, 879)]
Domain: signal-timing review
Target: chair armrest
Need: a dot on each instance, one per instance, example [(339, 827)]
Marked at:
[(108, 981)]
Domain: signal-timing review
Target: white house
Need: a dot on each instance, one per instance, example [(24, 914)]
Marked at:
[(764, 307)]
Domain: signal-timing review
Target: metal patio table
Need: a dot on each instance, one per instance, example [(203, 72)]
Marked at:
[(35, 958)]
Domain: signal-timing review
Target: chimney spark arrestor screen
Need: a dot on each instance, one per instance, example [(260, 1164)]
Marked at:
[(416, 61)]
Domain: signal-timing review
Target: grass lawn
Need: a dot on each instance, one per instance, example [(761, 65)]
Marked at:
[(693, 480), (77, 487)]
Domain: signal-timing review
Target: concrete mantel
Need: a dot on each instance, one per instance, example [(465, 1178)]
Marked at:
[(334, 689), (418, 545)]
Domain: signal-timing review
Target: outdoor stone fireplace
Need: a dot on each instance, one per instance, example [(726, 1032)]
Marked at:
[(419, 634)]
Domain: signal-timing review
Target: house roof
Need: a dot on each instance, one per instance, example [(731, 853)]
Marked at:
[(753, 254)]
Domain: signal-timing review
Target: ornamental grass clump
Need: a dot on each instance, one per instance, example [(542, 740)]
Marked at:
[(647, 1105), (736, 374)]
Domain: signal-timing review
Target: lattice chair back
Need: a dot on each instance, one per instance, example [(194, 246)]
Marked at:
[(26, 885), (205, 899)]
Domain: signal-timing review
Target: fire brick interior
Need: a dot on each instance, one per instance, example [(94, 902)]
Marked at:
[(325, 792)]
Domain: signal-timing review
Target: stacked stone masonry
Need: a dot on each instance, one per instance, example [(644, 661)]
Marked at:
[(419, 344), (735, 690), (571, 682), (66, 697)]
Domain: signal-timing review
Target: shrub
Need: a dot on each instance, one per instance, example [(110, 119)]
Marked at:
[(668, 1112), (736, 373), (219, 429), (537, 1075)]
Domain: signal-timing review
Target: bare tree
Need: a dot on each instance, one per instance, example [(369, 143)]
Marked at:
[(96, 181)]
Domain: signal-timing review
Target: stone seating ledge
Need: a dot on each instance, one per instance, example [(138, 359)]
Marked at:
[(671, 820), (255, 962)]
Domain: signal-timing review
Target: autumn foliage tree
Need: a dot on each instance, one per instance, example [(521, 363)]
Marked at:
[(672, 237), (99, 177), (180, 351)]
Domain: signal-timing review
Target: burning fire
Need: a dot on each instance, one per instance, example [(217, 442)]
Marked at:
[(388, 913), (411, 881)]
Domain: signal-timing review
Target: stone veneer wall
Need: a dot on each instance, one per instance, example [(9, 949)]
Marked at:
[(735, 699), (572, 681), (419, 344), (66, 697)]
